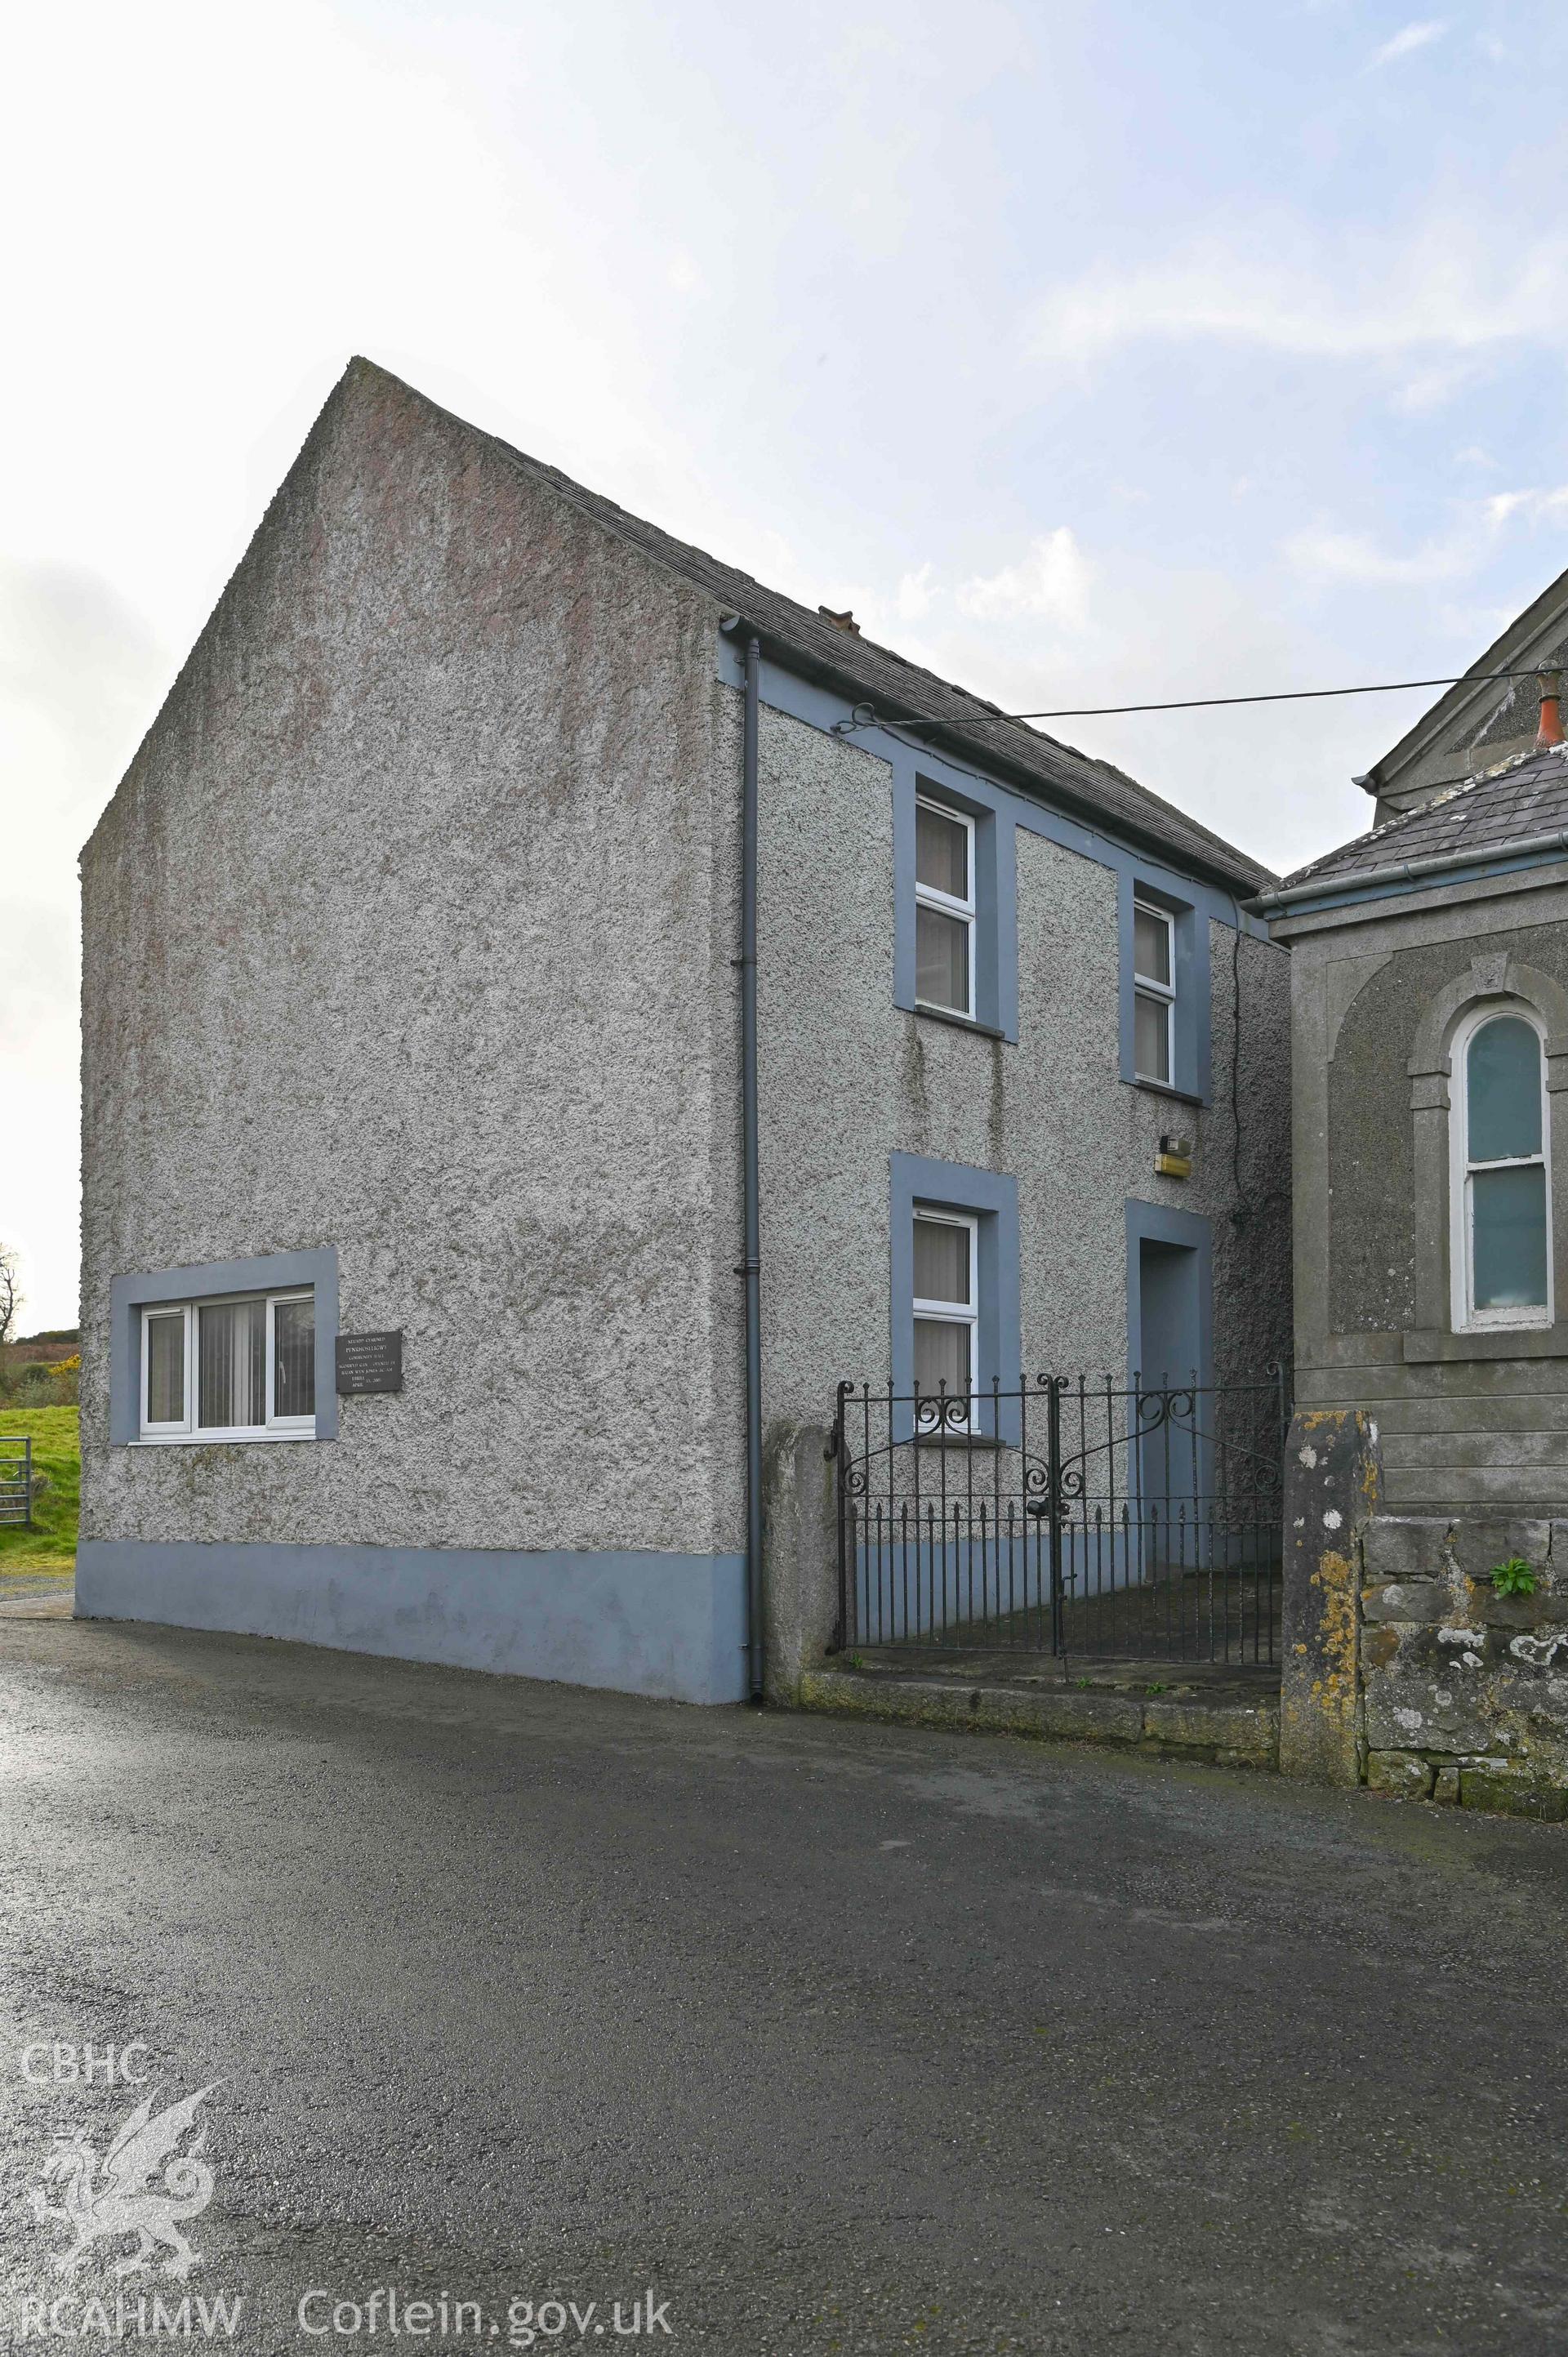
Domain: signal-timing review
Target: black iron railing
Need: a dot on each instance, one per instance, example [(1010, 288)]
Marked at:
[(1064, 1516)]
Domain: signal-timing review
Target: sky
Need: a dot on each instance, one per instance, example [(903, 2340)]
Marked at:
[(1093, 352)]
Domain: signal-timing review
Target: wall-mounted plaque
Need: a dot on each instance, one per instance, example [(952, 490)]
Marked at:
[(370, 1362)]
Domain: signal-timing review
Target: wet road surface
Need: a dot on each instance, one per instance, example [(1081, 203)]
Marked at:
[(826, 2036)]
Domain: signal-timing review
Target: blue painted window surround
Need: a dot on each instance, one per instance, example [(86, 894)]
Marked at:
[(998, 812), (990, 1199), (922, 779), (269, 1273), (1191, 1062)]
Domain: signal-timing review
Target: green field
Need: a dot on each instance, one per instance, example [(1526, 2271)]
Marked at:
[(50, 1543)]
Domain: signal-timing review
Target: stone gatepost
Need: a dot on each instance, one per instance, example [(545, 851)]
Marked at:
[(1333, 1487), (799, 1553)]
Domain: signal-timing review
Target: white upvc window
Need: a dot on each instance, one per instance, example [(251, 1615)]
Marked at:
[(946, 1316), (944, 907), (1154, 991), (1500, 1194), (230, 1367)]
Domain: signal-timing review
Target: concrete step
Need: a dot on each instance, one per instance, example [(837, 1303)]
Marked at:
[(1224, 1713)]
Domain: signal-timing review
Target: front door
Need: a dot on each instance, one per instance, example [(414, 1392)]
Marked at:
[(1168, 1345)]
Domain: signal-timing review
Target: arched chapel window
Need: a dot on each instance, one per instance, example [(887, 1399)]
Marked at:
[(1503, 1193)]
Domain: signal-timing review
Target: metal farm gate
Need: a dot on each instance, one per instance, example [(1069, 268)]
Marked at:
[(1067, 1516), (16, 1479)]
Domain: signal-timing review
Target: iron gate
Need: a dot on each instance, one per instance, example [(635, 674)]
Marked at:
[(1066, 1516)]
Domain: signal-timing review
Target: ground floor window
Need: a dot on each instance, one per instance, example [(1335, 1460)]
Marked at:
[(238, 1368), (953, 1262), (947, 1313)]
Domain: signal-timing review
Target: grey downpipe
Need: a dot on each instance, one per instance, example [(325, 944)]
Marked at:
[(752, 1264)]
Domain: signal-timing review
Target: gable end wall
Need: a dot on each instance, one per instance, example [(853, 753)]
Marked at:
[(401, 938)]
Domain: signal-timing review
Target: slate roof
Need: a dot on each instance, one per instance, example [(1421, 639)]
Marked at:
[(867, 673), (1526, 796)]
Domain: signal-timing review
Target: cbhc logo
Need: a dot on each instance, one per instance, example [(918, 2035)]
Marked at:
[(64, 2064)]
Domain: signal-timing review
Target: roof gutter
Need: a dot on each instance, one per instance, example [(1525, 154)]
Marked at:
[(1408, 871)]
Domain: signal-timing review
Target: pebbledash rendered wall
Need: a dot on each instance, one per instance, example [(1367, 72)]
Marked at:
[(409, 972), (850, 1079), (406, 944)]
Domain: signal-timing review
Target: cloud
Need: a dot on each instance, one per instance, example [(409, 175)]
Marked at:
[(1448, 289), (80, 675), (912, 598), (1051, 583), (1407, 40), (65, 630), (1268, 778), (1536, 506), (1429, 388), (1354, 557), (1121, 623)]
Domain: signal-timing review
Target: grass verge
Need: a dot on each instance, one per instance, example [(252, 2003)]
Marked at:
[(49, 1544)]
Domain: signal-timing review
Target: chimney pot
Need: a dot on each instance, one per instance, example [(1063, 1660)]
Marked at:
[(1550, 732)]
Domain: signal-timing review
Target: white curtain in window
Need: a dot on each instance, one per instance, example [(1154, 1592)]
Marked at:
[(942, 1357), (944, 1284), (942, 1262), (232, 1365), (165, 1369), (294, 1358), (944, 912)]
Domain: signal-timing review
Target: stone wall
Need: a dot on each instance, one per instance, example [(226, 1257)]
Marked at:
[(1466, 1690), (1403, 1666)]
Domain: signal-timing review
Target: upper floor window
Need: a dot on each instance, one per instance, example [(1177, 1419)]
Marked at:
[(947, 1315), (237, 1369), (1154, 991), (1502, 1259), (944, 907)]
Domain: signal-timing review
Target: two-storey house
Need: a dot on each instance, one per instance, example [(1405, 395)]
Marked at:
[(553, 1010)]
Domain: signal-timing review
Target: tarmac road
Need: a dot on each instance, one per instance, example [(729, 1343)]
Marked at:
[(827, 2037)]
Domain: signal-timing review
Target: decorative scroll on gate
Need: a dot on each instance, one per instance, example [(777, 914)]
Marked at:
[(1064, 1516)]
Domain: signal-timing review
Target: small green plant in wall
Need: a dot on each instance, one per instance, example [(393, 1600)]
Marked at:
[(1514, 1577)]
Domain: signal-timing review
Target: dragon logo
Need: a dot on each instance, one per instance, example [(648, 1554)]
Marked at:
[(124, 2198)]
